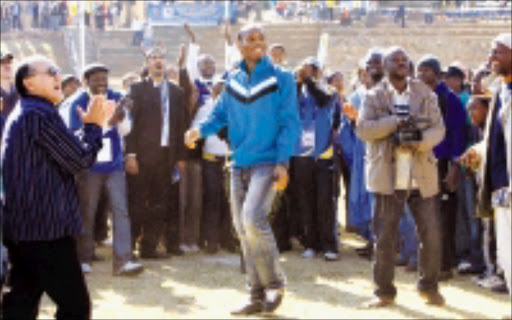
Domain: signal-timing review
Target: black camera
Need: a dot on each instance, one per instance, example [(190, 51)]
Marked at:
[(409, 130)]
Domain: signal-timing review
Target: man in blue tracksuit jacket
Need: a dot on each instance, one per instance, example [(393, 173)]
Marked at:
[(313, 166), (107, 173), (259, 107)]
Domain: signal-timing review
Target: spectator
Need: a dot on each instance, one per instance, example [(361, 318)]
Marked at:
[(107, 173), (152, 153), (446, 152), (8, 91), (40, 240), (495, 172), (378, 120)]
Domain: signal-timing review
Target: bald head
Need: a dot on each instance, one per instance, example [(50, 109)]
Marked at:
[(40, 77)]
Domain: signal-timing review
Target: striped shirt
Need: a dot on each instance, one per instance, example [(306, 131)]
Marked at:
[(40, 157)]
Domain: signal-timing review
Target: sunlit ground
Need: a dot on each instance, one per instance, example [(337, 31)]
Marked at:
[(202, 286)]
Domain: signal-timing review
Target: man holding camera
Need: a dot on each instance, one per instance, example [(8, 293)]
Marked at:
[(401, 123)]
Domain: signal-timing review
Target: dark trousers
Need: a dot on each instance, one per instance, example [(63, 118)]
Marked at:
[(216, 219), (49, 267), (387, 211), (343, 170), (448, 214), (149, 200), (314, 184)]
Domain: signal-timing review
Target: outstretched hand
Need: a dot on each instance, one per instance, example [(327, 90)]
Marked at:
[(190, 33), (100, 110)]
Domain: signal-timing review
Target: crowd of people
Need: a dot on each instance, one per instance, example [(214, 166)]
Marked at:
[(51, 15), (413, 143)]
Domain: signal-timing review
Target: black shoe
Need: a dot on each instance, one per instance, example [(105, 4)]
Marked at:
[(175, 251), (273, 299), (211, 248), (154, 255), (500, 288), (400, 262), (96, 257), (411, 267), (248, 309)]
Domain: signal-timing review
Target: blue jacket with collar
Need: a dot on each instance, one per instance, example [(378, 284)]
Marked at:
[(116, 162), (260, 111), (316, 113)]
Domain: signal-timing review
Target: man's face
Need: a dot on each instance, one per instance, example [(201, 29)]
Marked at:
[(207, 68), (69, 88), (398, 65), (277, 55), (478, 112), (44, 81), (337, 82), (427, 75), (253, 46), (156, 65), (98, 82), (501, 59), (375, 67), (454, 83), (172, 74), (5, 69)]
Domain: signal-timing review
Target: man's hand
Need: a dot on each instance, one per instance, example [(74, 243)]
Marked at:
[(280, 177), (132, 165), (98, 112), (181, 57), (227, 33), (191, 136), (190, 33), (470, 159), (118, 115), (409, 147)]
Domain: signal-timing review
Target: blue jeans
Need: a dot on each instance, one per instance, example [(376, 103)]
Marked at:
[(408, 239), (252, 194), (90, 186), (476, 253)]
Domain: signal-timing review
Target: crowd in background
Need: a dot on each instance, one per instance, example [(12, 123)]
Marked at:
[(189, 211)]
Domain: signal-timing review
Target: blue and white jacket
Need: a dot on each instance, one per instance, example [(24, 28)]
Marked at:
[(111, 136), (260, 111)]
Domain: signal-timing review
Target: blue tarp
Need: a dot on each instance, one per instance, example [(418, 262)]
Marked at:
[(193, 14)]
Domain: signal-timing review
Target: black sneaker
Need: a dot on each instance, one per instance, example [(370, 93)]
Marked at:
[(252, 307)]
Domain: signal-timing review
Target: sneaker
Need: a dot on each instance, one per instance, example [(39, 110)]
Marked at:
[(185, 248), (86, 268), (308, 253), (379, 302), (273, 299), (194, 248), (490, 281), (130, 269), (331, 256)]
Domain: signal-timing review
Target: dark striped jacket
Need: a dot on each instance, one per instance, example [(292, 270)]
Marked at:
[(40, 157)]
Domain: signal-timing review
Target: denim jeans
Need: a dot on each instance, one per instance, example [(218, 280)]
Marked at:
[(388, 209), (252, 194), (476, 254), (91, 185), (408, 238)]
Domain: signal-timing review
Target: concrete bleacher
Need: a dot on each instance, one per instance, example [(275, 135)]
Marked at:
[(466, 42)]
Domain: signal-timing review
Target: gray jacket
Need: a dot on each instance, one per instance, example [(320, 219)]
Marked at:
[(376, 124)]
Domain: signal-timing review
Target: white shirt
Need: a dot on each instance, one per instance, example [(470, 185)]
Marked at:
[(213, 144)]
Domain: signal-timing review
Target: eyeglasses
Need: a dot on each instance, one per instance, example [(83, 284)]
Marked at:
[(52, 71)]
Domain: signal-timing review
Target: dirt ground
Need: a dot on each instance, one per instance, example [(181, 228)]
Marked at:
[(203, 286)]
